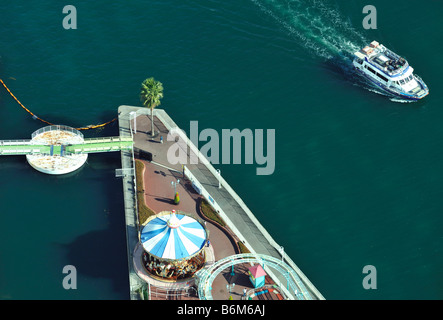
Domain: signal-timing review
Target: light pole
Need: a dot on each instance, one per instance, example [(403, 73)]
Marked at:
[(282, 251), (219, 175), (134, 117), (174, 184), (176, 196), (230, 287)]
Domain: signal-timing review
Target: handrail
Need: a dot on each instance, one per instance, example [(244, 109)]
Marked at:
[(56, 128)]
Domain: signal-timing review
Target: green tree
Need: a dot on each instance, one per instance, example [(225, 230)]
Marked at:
[(150, 95), (176, 198)]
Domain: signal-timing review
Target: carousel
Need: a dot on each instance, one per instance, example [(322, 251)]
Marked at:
[(173, 245)]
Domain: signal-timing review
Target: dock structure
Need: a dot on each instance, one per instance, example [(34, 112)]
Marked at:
[(58, 149), (90, 145), (206, 180)]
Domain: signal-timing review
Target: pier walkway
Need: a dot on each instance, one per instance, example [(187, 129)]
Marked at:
[(228, 204), (90, 145)]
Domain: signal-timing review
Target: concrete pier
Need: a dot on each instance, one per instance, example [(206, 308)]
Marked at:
[(229, 205)]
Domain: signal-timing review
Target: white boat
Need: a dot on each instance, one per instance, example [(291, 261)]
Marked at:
[(389, 71)]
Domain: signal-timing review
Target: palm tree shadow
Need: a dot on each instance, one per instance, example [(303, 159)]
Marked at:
[(165, 200)]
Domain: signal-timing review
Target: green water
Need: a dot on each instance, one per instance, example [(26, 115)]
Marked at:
[(357, 179)]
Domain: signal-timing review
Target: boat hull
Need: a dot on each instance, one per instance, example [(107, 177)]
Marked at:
[(395, 93)]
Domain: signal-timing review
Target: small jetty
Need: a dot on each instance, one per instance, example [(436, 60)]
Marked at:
[(58, 149)]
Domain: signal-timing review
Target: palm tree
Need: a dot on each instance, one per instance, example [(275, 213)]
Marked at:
[(150, 95)]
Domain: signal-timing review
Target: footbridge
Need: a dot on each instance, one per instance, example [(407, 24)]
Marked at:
[(89, 145)]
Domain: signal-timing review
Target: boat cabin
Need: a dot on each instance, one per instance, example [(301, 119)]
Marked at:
[(385, 66)]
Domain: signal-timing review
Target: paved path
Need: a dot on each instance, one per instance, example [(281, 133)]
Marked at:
[(159, 195)]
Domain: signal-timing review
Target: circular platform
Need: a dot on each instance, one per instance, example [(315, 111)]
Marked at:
[(56, 161)]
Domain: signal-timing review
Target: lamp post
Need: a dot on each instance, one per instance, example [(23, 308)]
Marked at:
[(174, 184), (282, 252), (230, 287), (219, 174), (134, 117), (176, 196)]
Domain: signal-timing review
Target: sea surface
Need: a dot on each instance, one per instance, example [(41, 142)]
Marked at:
[(358, 177)]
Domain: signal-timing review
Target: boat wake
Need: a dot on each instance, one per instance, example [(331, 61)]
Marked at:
[(322, 30), (402, 100), (319, 28)]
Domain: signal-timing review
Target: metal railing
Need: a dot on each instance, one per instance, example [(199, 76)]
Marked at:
[(56, 128), (149, 291), (15, 142), (107, 139)]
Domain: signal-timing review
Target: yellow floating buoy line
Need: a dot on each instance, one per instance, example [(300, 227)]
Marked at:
[(35, 117)]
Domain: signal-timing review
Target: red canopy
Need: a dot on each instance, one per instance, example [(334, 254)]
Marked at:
[(257, 271)]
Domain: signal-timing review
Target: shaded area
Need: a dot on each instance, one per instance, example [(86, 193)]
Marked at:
[(94, 256), (103, 253)]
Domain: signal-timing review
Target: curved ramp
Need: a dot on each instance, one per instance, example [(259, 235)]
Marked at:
[(295, 288)]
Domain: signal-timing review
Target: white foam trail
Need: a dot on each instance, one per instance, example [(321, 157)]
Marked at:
[(292, 29), (319, 28), (401, 100)]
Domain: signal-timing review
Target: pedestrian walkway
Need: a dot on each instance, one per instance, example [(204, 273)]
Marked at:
[(90, 145)]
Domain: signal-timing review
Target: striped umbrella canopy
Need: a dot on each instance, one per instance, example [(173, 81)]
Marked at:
[(173, 236)]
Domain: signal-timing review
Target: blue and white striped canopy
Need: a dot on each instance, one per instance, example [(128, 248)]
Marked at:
[(173, 236)]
